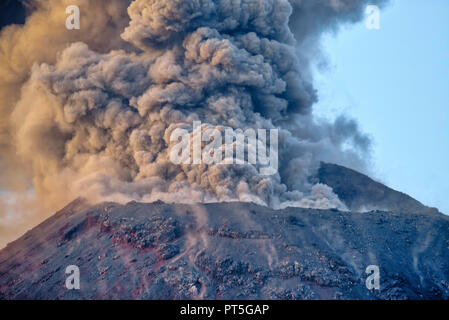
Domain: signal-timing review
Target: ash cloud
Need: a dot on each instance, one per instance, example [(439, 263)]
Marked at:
[(89, 113)]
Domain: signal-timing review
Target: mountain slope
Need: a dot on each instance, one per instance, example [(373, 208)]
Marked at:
[(361, 193), (227, 251)]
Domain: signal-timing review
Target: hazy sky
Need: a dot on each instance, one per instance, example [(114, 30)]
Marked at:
[(395, 81)]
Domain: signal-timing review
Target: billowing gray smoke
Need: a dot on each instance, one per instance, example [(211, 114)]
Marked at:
[(89, 113)]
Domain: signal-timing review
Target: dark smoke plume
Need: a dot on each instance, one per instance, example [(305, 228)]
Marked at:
[(90, 112)]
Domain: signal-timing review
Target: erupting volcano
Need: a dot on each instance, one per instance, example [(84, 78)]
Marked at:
[(90, 114)]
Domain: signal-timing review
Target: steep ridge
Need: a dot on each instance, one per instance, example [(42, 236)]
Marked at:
[(227, 251), (361, 193)]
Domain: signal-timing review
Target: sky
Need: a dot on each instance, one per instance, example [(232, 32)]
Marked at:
[(395, 82)]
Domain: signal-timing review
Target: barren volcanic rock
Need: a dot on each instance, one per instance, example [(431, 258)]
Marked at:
[(227, 251), (360, 193)]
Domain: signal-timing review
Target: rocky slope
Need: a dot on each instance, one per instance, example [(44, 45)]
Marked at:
[(232, 251), (361, 193)]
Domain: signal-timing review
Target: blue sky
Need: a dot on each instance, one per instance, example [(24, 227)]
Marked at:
[(395, 82)]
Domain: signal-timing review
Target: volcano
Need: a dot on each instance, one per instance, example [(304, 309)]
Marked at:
[(237, 250)]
